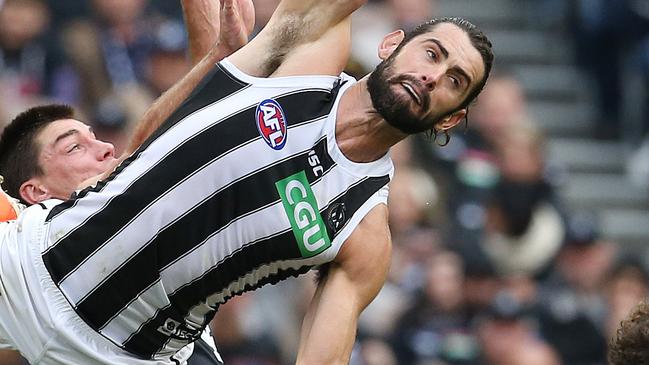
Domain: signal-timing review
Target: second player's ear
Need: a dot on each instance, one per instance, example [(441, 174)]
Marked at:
[(33, 192), (451, 120), (390, 42)]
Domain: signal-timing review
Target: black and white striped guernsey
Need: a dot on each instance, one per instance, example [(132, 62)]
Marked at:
[(244, 185)]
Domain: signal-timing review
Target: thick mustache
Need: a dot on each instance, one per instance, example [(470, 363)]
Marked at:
[(420, 88)]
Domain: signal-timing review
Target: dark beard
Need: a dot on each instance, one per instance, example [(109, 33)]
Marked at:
[(395, 109)]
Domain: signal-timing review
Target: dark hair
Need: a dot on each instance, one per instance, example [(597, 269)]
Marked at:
[(630, 345), (478, 39), (18, 148)]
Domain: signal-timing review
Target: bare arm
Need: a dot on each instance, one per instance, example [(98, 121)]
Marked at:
[(228, 22), (302, 37), (161, 109), (203, 26), (353, 280), (204, 19), (10, 357), (213, 33)]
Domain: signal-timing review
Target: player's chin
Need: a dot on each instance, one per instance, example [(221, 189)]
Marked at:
[(408, 124)]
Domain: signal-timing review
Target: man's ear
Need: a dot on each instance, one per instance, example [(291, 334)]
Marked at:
[(390, 42), (33, 192), (451, 121)]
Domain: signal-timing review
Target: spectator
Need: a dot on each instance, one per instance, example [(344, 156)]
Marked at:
[(571, 299), (110, 53), (508, 336), (436, 326), (614, 25), (471, 161), (30, 69), (168, 61), (524, 229), (235, 344)]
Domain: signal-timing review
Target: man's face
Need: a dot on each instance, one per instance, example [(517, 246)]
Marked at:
[(69, 155), (427, 79)]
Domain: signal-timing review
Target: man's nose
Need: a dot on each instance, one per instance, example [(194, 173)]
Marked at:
[(106, 150), (431, 78)]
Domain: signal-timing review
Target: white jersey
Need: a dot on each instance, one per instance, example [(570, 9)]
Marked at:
[(243, 186), (35, 318)]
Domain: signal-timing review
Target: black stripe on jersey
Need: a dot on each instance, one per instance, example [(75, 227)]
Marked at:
[(350, 199), (215, 86), (142, 345), (149, 340), (241, 198), (185, 160)]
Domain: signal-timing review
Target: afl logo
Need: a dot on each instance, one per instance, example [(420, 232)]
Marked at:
[(271, 123)]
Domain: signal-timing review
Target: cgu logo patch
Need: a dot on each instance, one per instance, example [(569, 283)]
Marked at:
[(302, 211), (271, 123)]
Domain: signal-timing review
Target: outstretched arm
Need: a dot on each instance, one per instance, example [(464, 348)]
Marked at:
[(302, 37), (205, 20), (352, 282), (214, 32), (224, 24)]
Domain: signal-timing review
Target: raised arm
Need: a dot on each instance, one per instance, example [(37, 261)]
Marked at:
[(214, 32), (302, 37), (207, 41), (352, 282), (228, 22)]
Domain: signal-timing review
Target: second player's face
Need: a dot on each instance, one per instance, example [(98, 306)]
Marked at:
[(427, 79), (70, 154)]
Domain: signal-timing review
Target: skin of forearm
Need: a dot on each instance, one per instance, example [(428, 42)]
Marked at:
[(203, 26), (171, 100), (161, 109), (329, 328)]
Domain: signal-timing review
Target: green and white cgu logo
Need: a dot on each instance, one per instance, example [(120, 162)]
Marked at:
[(302, 211)]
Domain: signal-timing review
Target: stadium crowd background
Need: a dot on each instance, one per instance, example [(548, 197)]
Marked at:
[(492, 264)]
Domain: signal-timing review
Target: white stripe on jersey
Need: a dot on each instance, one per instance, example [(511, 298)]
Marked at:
[(209, 180), (140, 310), (68, 220), (229, 240)]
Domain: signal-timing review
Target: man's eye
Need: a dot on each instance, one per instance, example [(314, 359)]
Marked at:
[(455, 81), (432, 54), (74, 147)]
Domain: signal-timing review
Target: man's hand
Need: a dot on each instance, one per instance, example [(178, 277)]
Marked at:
[(237, 21), (232, 21), (223, 26)]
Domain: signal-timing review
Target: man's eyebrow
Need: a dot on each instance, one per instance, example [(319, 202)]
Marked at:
[(65, 135)]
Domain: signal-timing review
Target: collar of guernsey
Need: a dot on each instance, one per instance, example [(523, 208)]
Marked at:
[(9, 207)]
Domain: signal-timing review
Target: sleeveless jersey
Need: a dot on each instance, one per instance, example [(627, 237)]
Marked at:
[(243, 185)]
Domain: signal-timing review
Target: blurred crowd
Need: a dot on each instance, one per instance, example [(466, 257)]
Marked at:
[(489, 264)]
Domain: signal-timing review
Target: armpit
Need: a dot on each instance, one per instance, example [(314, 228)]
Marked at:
[(288, 33)]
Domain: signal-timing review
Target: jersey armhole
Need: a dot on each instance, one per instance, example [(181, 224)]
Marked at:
[(379, 197)]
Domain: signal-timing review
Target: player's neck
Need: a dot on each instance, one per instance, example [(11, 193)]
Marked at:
[(362, 134)]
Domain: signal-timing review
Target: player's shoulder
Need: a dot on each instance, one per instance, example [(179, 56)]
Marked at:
[(370, 233)]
